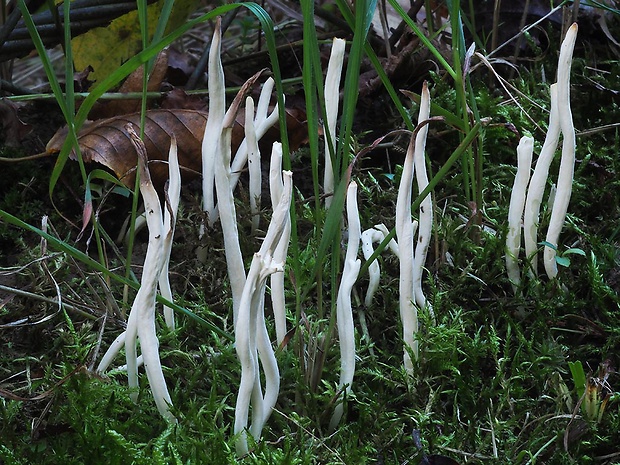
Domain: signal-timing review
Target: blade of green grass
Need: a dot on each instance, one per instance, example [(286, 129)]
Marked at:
[(363, 14), (330, 236), (311, 62), (117, 76), (62, 246), (66, 105)]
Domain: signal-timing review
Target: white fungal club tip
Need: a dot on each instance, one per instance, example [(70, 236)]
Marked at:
[(567, 163), (515, 211), (425, 226), (411, 295), (332, 97), (344, 312), (213, 127), (560, 122), (368, 237)]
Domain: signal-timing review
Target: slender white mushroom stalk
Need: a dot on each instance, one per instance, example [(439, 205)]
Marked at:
[(344, 312), (141, 322), (409, 285), (213, 128), (262, 122), (426, 207), (276, 185), (112, 352), (228, 219), (536, 187), (567, 163), (226, 203), (251, 339), (376, 234), (173, 193), (515, 211), (332, 98), (404, 235), (274, 249), (254, 168), (245, 344)]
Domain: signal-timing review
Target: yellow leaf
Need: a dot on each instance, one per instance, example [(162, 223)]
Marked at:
[(107, 48)]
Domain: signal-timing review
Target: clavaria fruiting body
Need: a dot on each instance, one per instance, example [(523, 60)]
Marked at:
[(567, 163), (332, 97), (141, 321), (368, 237), (276, 187), (411, 296), (560, 122), (344, 312), (515, 211), (251, 339)]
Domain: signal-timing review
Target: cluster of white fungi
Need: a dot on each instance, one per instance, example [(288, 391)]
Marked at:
[(220, 174), (527, 193)]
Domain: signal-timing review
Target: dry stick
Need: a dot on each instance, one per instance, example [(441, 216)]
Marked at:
[(344, 313), (85, 15), (49, 300), (332, 98), (9, 25), (567, 163), (515, 211), (203, 62), (508, 88), (537, 184)]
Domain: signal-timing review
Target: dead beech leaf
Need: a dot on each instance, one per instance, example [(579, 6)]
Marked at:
[(107, 142)]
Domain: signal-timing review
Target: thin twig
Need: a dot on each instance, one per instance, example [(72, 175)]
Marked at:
[(54, 301)]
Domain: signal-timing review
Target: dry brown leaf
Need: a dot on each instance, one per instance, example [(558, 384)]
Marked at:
[(107, 142)]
